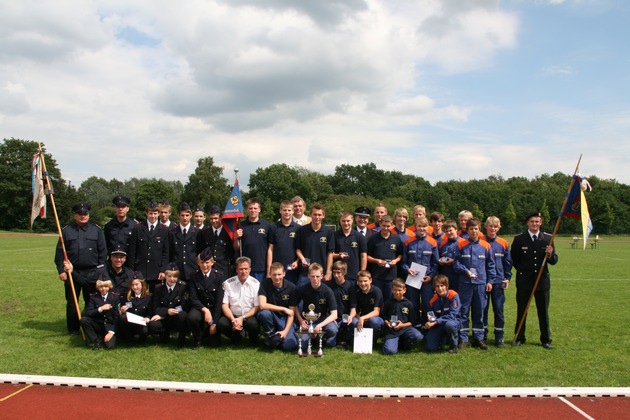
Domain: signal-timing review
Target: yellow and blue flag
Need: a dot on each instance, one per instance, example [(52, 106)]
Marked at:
[(576, 206)]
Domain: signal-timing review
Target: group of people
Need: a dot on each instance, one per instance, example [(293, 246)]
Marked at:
[(425, 282)]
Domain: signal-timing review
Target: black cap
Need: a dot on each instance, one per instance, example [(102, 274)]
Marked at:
[(184, 206), (533, 214), (137, 275), (206, 254), (121, 201), (152, 204), (199, 207), (81, 208), (362, 211), (165, 202), (214, 209), (172, 266), (118, 249)]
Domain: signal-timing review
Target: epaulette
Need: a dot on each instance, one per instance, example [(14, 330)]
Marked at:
[(114, 293), (94, 294), (98, 226), (231, 279), (181, 282)]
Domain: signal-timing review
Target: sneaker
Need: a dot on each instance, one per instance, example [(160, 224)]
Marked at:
[(462, 345), (499, 342), (480, 344)]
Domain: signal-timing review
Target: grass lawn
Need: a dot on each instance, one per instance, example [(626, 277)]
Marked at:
[(589, 321)]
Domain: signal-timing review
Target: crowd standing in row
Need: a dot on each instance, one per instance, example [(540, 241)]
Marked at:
[(158, 277)]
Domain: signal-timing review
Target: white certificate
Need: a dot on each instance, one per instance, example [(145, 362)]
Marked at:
[(416, 281), (363, 341), (135, 319)]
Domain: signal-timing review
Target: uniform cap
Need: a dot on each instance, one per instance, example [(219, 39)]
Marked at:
[(214, 209), (121, 201), (81, 208), (184, 206), (118, 249), (172, 266), (152, 205), (199, 207), (137, 275), (206, 254), (533, 214), (363, 211)]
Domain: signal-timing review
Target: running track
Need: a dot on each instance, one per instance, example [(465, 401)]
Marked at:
[(24, 396)]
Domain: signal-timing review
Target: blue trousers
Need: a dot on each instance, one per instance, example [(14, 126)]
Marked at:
[(473, 300), (405, 338), (497, 297), (440, 334), (273, 322)]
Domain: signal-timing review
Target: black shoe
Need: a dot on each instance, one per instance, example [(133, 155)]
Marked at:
[(452, 350), (547, 346), (499, 342), (518, 342), (480, 344), (97, 345), (462, 345)]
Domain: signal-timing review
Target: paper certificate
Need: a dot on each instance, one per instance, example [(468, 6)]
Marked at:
[(135, 319), (416, 281), (363, 341)]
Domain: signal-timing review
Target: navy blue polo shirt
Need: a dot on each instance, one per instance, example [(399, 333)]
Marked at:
[(283, 240), (323, 299), (315, 245), (254, 242), (277, 296), (384, 249), (366, 302), (354, 244), (345, 295)]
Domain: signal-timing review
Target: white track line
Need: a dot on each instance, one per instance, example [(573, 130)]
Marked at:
[(576, 408), (532, 392)]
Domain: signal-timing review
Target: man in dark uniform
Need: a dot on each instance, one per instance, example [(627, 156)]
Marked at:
[(528, 251), (183, 243), (86, 251), (116, 271), (253, 239), (362, 217), (206, 298), (199, 217), (219, 242), (118, 230), (149, 247)]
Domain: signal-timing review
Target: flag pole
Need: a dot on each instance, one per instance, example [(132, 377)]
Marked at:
[(63, 245), (553, 236), (237, 223)]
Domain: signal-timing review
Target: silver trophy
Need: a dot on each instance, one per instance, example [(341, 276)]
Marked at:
[(311, 317)]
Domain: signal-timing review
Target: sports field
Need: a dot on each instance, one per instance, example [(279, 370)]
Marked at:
[(589, 319)]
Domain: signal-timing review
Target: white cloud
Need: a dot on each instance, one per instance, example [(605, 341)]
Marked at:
[(145, 88)]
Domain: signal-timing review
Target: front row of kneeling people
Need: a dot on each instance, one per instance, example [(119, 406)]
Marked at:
[(204, 308)]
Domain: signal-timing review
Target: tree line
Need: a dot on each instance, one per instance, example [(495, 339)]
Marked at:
[(347, 188)]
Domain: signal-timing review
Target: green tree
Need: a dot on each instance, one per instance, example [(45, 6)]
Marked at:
[(207, 185), (159, 190), (15, 185)]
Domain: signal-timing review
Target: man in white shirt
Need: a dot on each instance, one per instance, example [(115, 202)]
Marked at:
[(240, 305)]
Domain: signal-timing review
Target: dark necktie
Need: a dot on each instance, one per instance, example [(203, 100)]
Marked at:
[(534, 237), (151, 229), (184, 232), (216, 234), (362, 232)]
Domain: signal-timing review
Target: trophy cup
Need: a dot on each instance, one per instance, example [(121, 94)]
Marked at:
[(311, 317)]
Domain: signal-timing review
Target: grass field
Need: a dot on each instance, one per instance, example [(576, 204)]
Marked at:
[(589, 320)]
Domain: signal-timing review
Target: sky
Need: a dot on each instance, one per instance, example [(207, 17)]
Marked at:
[(448, 89)]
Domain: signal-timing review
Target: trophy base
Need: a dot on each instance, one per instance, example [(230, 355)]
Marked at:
[(311, 336)]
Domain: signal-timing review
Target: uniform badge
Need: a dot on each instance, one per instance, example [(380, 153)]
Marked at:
[(322, 239)]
